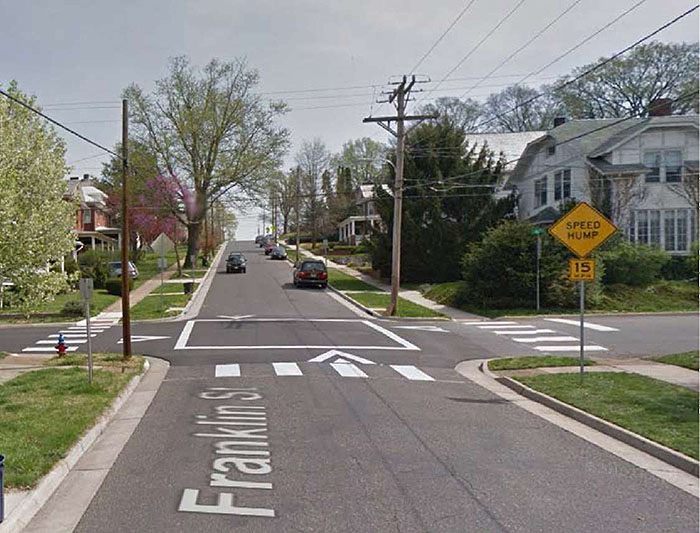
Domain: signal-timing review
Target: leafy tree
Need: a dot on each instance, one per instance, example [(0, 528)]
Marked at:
[(448, 202), (364, 158), (35, 221), (211, 134), (512, 109), (460, 114), (627, 85)]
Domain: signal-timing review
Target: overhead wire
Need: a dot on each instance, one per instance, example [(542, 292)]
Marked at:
[(523, 47), (437, 42), (56, 123)]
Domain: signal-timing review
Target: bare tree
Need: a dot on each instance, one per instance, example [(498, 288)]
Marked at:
[(210, 133), (615, 196), (688, 188), (313, 159)]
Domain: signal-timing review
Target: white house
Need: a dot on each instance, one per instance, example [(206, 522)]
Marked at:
[(357, 228), (642, 171)]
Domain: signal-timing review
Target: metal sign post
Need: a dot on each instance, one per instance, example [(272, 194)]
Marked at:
[(161, 267), (582, 296), (582, 230), (86, 292), (325, 251), (538, 232)]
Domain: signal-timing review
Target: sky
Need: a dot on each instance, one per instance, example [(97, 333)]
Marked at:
[(77, 56)]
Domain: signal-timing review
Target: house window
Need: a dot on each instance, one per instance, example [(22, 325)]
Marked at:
[(670, 229), (541, 192), (87, 216), (665, 166), (562, 184), (673, 164), (551, 150)]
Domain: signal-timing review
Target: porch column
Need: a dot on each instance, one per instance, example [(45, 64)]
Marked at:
[(92, 240)]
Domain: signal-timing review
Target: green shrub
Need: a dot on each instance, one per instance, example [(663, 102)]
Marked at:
[(95, 264), (114, 286), (73, 308), (499, 271), (632, 264)]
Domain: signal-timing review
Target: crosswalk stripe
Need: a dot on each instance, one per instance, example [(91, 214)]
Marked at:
[(547, 339), (348, 370), (505, 326), (572, 348), (287, 369), (525, 332), (412, 373), (69, 341), (232, 370), (47, 349), (72, 335), (489, 323), (597, 327)]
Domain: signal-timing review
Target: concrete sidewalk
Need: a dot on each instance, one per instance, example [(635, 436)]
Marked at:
[(411, 295), (142, 291)]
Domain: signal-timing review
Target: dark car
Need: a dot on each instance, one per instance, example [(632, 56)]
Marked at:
[(278, 253), (115, 269), (264, 240), (259, 238), (310, 273), (236, 263)]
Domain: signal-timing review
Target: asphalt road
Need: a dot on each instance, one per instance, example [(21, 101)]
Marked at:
[(246, 433)]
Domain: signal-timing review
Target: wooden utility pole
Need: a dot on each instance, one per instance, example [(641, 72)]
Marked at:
[(297, 212), (126, 271), (399, 96)]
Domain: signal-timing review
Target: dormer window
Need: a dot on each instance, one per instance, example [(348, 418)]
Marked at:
[(87, 216), (665, 166), (551, 150)]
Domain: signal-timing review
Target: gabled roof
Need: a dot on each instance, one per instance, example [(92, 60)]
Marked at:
[(637, 126), (512, 144)]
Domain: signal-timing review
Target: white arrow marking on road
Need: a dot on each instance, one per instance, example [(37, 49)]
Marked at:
[(237, 317), (589, 325), (343, 355), (142, 338), (423, 328)]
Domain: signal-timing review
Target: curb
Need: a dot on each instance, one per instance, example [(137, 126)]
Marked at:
[(355, 303), (672, 457), (603, 314), (22, 515)]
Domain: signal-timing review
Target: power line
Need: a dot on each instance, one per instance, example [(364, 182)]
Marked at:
[(475, 48), (452, 25), (69, 130), (592, 69), (523, 47), (584, 41)]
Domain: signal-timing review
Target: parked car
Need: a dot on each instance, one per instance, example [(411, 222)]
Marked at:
[(236, 262), (278, 252), (259, 238), (265, 239), (269, 246), (310, 272), (115, 269)]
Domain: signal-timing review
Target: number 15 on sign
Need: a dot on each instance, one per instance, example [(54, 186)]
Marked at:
[(581, 269)]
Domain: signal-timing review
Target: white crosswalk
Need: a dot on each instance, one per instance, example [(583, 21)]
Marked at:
[(75, 335), (530, 335), (343, 369)]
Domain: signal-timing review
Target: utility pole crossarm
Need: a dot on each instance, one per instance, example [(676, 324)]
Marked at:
[(396, 119)]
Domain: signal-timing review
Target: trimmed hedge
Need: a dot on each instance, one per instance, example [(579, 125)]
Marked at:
[(73, 308), (114, 286)]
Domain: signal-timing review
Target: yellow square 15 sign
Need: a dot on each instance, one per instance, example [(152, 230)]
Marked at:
[(581, 269)]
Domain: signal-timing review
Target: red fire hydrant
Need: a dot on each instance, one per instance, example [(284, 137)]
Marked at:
[(61, 346)]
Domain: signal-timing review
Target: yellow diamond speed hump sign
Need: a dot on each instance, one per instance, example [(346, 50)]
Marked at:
[(582, 229)]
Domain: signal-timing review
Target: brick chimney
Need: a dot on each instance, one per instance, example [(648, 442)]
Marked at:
[(660, 107), (558, 121)]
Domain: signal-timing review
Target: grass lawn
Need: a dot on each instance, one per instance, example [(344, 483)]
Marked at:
[(157, 306), (406, 308), (346, 282), (148, 266), (51, 311), (684, 359), (44, 412), (662, 412), (660, 296), (535, 361), (111, 360)]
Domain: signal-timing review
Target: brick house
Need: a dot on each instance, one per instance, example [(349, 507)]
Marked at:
[(93, 219)]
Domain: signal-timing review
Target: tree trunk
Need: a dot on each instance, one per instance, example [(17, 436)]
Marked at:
[(193, 230)]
